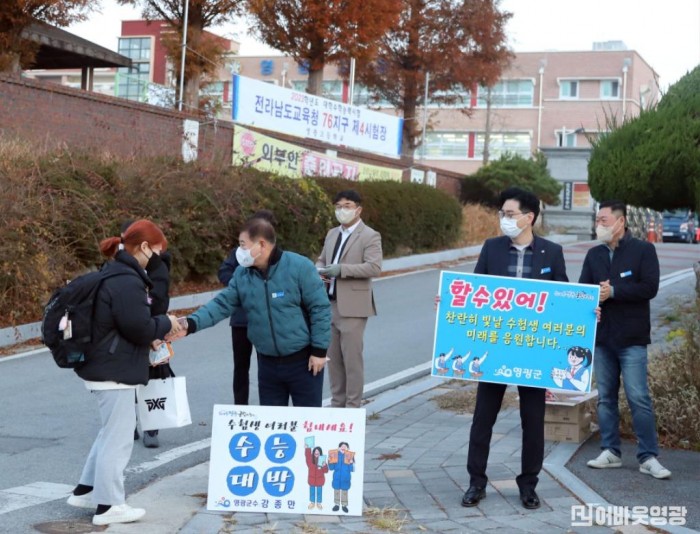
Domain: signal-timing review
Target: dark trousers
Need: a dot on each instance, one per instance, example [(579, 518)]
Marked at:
[(278, 381), (488, 404), (242, 350)]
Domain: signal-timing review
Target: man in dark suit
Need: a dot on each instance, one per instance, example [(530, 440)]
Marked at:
[(519, 253)]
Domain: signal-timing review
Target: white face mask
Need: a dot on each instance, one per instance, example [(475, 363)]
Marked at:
[(510, 227), (345, 215), (244, 257), (604, 233)]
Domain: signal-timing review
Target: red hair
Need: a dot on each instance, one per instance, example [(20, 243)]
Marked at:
[(138, 232)]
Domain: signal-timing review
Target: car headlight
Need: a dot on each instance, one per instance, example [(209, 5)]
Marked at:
[(684, 227)]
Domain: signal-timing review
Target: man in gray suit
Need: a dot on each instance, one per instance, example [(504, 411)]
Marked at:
[(351, 257)]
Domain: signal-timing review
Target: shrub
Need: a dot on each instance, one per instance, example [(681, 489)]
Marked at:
[(56, 207), (478, 224), (485, 185)]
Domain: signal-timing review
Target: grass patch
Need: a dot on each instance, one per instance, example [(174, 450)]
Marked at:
[(674, 386), (389, 519), (373, 416), (309, 528), (674, 334)]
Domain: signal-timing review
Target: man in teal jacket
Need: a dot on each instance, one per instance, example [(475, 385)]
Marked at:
[(289, 316)]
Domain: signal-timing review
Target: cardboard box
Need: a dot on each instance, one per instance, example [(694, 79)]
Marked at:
[(569, 408), (568, 432)]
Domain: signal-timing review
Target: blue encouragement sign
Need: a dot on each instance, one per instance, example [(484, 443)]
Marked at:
[(515, 331)]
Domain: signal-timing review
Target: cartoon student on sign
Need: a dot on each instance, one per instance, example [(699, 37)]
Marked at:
[(475, 366), (316, 462), (577, 376), (342, 462), (458, 366), (441, 363)]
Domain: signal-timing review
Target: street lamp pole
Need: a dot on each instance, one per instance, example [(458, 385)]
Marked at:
[(351, 88), (425, 115), (184, 52)]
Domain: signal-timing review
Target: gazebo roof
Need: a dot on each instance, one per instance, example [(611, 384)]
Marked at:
[(59, 49)]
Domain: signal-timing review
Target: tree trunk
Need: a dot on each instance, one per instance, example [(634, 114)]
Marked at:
[(191, 102), (410, 121), (314, 86)]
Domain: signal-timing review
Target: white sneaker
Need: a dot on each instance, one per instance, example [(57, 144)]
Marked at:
[(605, 460), (122, 513), (82, 501), (654, 468)]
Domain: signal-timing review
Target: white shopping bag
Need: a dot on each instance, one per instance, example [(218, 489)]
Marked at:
[(163, 404)]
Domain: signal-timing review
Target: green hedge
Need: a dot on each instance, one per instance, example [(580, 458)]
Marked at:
[(56, 208)]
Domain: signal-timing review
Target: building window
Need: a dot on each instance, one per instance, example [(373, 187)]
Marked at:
[(568, 89), (445, 145), (331, 89), (508, 94), (566, 138), (132, 82), (503, 143), (461, 95), (609, 89), (363, 97)]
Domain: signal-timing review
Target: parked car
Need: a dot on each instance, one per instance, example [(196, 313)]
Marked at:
[(680, 225)]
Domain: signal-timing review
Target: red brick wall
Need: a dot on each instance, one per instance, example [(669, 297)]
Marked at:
[(52, 115)]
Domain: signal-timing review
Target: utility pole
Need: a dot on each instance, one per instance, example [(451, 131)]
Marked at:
[(425, 115), (487, 128), (184, 52)]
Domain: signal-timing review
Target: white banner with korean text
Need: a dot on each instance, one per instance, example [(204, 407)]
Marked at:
[(278, 109)]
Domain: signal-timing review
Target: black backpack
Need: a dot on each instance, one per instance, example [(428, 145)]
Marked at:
[(66, 326)]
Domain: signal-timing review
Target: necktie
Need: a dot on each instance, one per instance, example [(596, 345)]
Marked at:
[(337, 252)]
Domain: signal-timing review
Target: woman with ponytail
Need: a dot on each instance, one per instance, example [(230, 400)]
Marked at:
[(123, 321)]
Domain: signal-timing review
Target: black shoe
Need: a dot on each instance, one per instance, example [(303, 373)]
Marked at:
[(136, 434), (473, 495), (345, 509), (150, 439), (530, 499), (336, 508)]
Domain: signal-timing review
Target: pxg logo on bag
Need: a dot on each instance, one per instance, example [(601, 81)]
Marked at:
[(156, 404)]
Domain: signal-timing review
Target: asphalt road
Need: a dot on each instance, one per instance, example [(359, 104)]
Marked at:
[(48, 419)]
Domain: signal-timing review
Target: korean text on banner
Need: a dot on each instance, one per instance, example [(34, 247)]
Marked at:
[(515, 331), (287, 460), (278, 109), (266, 153)]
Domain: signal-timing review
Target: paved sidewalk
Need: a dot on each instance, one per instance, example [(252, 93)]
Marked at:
[(415, 476)]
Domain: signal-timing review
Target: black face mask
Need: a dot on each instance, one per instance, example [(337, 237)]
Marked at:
[(154, 262)]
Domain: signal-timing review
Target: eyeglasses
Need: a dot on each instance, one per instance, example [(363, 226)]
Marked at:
[(345, 206), (510, 214)]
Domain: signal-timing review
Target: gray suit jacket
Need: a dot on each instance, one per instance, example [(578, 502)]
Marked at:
[(360, 261)]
